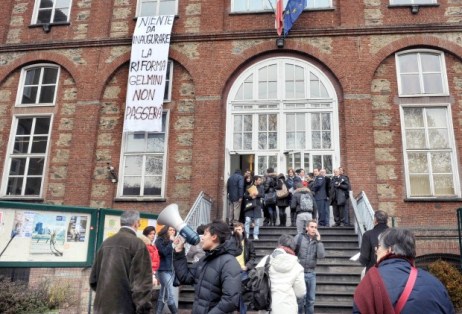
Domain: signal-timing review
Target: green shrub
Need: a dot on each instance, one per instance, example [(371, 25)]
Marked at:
[(18, 298), (451, 278)]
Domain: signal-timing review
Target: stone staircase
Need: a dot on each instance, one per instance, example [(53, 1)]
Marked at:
[(336, 276)]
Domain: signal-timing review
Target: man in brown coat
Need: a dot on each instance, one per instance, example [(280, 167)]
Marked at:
[(122, 272)]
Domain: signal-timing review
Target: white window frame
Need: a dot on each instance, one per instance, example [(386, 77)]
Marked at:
[(139, 7), (164, 165), (266, 7), (53, 11), (412, 2), (168, 82), (444, 77), (22, 81), (452, 144), (28, 155), (236, 106)]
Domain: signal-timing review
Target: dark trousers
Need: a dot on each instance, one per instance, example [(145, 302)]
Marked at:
[(338, 211), (282, 215)]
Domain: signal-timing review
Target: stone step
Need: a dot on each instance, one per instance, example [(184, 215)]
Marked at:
[(334, 297), (328, 277), (339, 269), (334, 261), (293, 231), (333, 307), (328, 244), (331, 287)]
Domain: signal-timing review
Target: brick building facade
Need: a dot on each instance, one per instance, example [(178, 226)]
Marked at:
[(372, 85)]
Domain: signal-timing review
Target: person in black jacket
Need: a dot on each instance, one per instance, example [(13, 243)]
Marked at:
[(216, 276), (338, 190), (165, 272), (235, 186), (370, 240), (246, 259), (282, 202)]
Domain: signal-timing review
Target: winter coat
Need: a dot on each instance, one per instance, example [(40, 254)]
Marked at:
[(255, 212), (308, 251), (153, 253), (122, 275), (270, 182), (428, 295), (282, 202), (165, 249), (287, 281), (319, 188), (235, 186), (295, 201), (216, 278), (369, 242), (290, 183), (338, 190)]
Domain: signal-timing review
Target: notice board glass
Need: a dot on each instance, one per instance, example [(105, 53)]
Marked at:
[(39, 235)]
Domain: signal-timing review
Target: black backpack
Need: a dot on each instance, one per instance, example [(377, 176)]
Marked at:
[(259, 287)]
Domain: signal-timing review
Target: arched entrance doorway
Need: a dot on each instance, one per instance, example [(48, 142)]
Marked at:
[(282, 112)]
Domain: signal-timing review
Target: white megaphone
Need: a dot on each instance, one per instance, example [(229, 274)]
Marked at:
[(171, 217)]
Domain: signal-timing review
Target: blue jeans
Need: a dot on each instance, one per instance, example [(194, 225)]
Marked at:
[(166, 294), (323, 212), (256, 228), (308, 301)]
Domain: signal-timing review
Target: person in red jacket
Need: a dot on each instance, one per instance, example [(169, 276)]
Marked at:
[(149, 234)]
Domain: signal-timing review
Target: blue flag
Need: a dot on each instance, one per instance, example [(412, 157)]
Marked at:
[(293, 10)]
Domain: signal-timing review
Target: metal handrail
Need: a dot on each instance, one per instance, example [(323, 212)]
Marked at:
[(364, 213), (459, 227), (200, 211), (199, 214)]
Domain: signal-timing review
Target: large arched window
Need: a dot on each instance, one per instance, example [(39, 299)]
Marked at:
[(282, 112)]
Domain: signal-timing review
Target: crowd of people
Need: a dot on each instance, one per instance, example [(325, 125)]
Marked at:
[(254, 197), (127, 266)]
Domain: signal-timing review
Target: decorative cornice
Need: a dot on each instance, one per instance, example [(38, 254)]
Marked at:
[(247, 35)]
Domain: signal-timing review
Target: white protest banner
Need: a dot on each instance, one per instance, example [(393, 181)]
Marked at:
[(147, 73)]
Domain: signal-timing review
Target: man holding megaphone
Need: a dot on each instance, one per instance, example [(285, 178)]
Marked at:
[(216, 276)]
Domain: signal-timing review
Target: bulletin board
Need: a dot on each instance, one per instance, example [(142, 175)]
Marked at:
[(109, 223), (39, 235)]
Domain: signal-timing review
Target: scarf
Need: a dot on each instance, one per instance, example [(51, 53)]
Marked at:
[(371, 296)]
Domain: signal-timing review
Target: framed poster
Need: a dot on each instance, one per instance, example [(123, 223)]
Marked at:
[(109, 223), (38, 235)]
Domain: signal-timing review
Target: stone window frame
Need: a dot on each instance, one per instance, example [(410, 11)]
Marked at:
[(419, 52), (35, 14), (40, 85), (139, 7), (144, 155), (266, 7), (412, 2), (14, 153), (239, 105), (428, 151)]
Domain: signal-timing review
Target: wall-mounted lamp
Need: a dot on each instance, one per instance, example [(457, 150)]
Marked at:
[(280, 42), (415, 9), (46, 28), (112, 173)]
